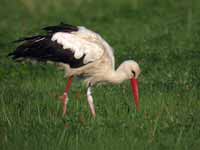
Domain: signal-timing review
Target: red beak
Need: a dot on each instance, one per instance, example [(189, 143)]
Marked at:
[(135, 89)]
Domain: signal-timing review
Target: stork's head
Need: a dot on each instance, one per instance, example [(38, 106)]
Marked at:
[(132, 72), (131, 69)]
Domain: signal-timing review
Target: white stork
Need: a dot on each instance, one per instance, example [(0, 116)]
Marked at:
[(82, 53)]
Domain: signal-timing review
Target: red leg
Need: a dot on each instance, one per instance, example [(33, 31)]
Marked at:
[(65, 96)]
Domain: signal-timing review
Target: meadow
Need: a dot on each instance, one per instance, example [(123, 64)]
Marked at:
[(162, 36)]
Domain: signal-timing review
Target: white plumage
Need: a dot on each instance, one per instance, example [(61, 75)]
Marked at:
[(83, 42)]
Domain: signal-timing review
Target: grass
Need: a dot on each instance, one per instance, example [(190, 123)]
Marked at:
[(163, 36)]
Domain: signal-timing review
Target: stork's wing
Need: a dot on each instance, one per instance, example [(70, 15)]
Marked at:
[(61, 46), (45, 49)]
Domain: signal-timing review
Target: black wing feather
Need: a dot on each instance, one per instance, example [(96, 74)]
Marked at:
[(32, 38), (42, 48)]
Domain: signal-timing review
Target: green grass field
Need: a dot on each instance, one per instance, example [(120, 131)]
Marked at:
[(163, 36)]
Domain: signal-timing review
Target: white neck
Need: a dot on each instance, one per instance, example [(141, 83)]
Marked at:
[(123, 72), (116, 76)]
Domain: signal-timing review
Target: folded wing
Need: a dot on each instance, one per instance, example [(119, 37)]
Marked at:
[(60, 44)]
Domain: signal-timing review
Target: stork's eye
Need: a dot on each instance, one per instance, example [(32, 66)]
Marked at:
[(133, 72)]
